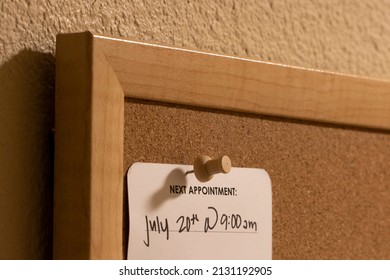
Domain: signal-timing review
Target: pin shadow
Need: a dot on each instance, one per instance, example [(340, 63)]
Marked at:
[(175, 177)]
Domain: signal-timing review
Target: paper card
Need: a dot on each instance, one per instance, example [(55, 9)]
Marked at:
[(174, 216)]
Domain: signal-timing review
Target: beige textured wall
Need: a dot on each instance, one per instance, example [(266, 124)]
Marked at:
[(345, 36)]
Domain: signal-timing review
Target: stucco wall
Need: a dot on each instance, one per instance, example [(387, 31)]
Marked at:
[(344, 36)]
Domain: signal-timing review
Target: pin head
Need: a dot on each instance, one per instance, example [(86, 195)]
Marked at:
[(226, 164), (205, 167)]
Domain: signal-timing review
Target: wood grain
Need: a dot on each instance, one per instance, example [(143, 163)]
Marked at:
[(150, 71), (88, 196)]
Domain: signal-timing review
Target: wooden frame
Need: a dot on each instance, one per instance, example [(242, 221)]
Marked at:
[(95, 74)]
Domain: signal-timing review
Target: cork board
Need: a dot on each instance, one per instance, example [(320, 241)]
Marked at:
[(331, 184), (323, 137)]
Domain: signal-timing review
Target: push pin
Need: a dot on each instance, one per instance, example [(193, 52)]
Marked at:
[(205, 167)]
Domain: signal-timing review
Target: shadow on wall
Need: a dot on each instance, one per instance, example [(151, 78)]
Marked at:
[(27, 83)]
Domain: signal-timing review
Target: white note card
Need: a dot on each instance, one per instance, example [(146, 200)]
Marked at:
[(174, 216)]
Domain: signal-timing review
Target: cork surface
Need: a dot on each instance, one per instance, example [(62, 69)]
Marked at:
[(331, 185)]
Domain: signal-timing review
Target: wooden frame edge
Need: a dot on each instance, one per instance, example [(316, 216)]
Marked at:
[(88, 195), (175, 75)]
